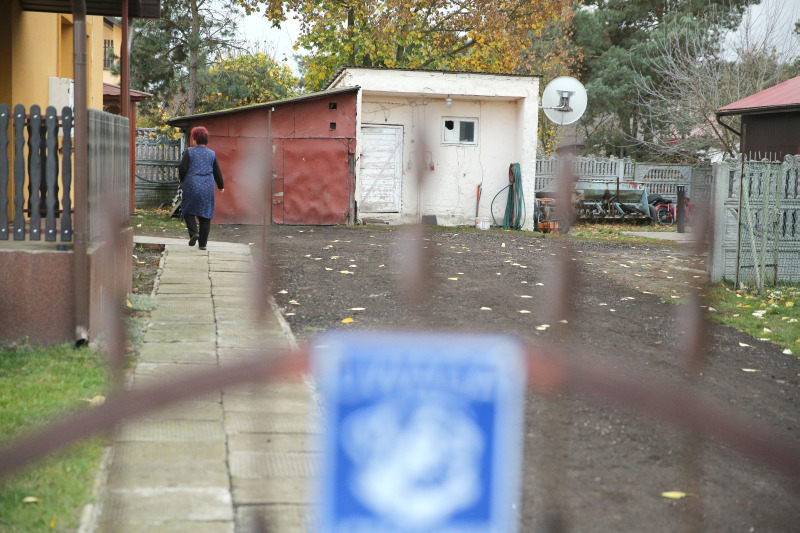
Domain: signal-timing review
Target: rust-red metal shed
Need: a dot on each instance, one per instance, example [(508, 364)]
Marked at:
[(770, 120), (306, 143)]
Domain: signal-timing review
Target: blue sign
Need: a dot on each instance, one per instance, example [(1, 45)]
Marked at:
[(422, 432)]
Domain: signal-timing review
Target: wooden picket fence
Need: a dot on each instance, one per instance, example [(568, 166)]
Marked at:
[(39, 186), (36, 177)]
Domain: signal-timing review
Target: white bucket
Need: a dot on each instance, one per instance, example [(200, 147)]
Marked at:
[(482, 223)]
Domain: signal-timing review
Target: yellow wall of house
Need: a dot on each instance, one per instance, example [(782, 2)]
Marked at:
[(37, 46), (114, 33), (6, 13)]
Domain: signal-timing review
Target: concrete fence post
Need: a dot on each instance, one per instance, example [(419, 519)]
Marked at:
[(719, 193)]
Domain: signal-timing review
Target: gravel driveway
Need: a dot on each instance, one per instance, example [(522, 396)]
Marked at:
[(604, 468)]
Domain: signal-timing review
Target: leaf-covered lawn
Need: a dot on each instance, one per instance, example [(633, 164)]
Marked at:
[(773, 316)]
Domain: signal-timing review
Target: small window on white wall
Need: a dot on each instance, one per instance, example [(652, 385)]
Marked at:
[(456, 130)]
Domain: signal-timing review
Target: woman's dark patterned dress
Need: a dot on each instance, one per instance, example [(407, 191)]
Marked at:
[(198, 185)]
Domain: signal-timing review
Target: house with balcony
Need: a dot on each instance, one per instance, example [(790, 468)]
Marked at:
[(64, 169)]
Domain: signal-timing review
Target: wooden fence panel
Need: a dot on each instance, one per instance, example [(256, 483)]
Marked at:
[(51, 121), (5, 113), (66, 175), (19, 172), (35, 192), (35, 172)]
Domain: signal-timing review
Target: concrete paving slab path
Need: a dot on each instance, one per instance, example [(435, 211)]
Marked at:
[(220, 462)]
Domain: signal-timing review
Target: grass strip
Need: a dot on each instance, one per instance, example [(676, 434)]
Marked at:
[(37, 385), (773, 316)]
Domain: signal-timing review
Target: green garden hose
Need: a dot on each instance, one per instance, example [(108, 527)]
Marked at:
[(514, 216)]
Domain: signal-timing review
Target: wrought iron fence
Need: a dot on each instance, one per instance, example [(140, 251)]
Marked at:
[(552, 371)]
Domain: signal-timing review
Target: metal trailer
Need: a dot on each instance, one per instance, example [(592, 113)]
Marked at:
[(604, 200)]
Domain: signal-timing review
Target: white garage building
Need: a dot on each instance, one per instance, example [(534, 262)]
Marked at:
[(427, 139)]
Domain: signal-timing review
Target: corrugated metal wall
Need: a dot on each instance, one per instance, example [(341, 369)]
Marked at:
[(313, 145)]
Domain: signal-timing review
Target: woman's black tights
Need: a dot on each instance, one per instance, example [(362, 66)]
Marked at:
[(205, 227)]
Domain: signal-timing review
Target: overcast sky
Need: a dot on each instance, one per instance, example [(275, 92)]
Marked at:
[(258, 31)]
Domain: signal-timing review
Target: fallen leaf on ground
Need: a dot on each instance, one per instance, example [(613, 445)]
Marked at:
[(284, 291), (563, 321), (674, 494), (525, 296), (743, 345), (345, 272), (750, 370), (789, 304), (99, 399), (347, 320), (787, 351), (357, 309), (453, 279), (543, 327), (486, 308), (294, 302), (288, 314), (30, 499), (524, 311)]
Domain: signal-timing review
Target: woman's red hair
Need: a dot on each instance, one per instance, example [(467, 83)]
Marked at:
[(200, 135)]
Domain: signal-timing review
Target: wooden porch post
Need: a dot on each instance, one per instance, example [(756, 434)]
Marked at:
[(81, 221)]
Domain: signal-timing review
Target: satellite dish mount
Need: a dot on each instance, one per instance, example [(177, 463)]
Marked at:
[(564, 100)]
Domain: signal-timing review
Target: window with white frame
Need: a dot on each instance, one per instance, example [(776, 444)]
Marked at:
[(460, 130)]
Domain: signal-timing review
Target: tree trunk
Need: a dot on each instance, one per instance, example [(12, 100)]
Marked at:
[(194, 43), (351, 22)]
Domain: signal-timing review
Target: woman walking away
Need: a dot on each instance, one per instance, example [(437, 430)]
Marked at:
[(198, 171)]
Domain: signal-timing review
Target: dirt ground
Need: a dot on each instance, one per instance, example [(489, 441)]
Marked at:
[(604, 468)]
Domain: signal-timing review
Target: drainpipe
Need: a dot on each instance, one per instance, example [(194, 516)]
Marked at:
[(80, 263), (125, 100)]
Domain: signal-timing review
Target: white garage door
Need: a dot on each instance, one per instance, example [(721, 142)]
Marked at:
[(381, 169)]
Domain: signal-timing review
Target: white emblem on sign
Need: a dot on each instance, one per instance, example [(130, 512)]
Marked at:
[(417, 458)]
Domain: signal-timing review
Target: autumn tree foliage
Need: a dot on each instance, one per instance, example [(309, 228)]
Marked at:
[(474, 35), (246, 79)]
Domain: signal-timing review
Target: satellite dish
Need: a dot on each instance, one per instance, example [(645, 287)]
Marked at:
[(564, 100)]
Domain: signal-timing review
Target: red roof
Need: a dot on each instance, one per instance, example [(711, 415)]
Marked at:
[(777, 98), (112, 92)]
